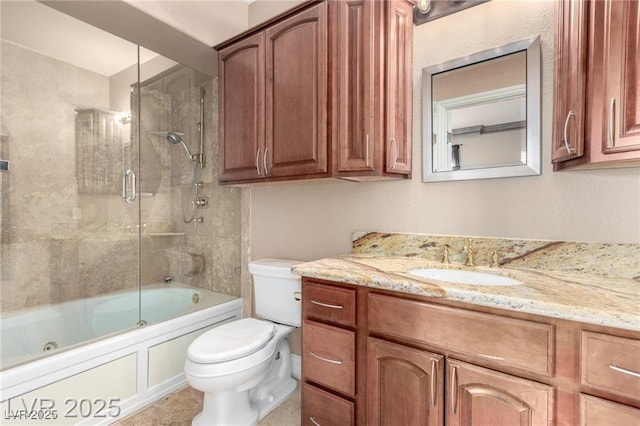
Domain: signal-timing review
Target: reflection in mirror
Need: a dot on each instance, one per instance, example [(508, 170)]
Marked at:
[(481, 115)]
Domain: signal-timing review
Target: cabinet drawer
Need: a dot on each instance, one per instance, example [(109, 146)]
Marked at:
[(322, 408), (505, 341), (598, 412), (611, 364), (329, 303), (329, 356)]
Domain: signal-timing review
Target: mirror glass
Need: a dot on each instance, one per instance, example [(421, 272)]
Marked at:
[(481, 114)]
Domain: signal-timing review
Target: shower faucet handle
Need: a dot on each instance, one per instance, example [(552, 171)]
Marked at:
[(196, 221)]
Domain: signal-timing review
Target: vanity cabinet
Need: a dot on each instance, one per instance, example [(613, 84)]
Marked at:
[(381, 357), (324, 90), (597, 80)]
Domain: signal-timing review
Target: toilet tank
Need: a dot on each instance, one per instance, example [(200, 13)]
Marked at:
[(275, 289)]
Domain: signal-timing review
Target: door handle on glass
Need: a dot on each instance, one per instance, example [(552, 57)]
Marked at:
[(612, 122), (264, 161), (566, 125), (258, 162), (129, 175)]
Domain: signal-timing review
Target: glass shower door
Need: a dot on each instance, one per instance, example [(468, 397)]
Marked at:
[(69, 241)]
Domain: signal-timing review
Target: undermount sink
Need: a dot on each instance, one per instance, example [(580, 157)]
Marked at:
[(464, 277)]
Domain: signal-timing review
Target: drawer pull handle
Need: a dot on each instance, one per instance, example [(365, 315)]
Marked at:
[(313, 420), (297, 296), (624, 370), (326, 305), (490, 357), (331, 361)]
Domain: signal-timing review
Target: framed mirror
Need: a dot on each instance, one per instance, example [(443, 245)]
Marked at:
[(481, 114)]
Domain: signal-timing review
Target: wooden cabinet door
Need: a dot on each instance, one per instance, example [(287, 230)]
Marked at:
[(399, 89), (241, 109), (404, 385), (621, 58), (570, 79), (296, 94), (354, 83), (483, 397)]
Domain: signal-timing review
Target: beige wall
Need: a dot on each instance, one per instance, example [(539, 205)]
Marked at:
[(313, 220)]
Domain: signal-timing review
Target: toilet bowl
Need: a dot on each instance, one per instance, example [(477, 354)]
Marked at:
[(244, 367)]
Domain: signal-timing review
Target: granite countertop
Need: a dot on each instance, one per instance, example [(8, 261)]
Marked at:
[(586, 297)]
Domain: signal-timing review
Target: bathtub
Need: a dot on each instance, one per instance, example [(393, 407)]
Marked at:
[(50, 374)]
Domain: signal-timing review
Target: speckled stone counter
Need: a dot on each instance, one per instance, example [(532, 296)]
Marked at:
[(591, 283)]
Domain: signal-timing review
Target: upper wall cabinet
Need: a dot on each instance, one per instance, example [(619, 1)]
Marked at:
[(272, 100), (597, 84), (323, 90), (372, 78)]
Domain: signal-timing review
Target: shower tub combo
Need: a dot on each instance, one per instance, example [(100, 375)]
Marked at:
[(106, 379)]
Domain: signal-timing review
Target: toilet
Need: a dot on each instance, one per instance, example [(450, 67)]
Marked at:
[(244, 367)]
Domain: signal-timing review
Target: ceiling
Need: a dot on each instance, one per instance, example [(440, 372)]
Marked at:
[(42, 29)]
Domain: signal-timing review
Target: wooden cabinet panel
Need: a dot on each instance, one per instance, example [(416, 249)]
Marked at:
[(322, 91), (611, 364), (405, 385), (329, 356), (621, 115), (329, 303), (480, 397), (570, 64), (501, 340), (296, 91), (598, 412), (399, 95), (597, 79), (241, 108), (322, 408), (355, 91)]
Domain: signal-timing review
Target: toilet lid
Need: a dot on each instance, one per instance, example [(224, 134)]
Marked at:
[(231, 341)]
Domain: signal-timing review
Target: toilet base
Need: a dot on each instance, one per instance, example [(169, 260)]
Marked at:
[(278, 385), (226, 408)]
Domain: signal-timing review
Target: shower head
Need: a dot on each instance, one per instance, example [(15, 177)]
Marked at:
[(174, 138)]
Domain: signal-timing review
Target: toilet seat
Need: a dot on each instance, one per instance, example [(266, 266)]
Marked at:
[(231, 341)]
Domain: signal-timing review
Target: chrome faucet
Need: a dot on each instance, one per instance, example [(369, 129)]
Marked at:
[(470, 252), (445, 254)]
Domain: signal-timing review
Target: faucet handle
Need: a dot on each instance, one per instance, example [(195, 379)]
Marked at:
[(445, 254), (470, 252), (495, 259)]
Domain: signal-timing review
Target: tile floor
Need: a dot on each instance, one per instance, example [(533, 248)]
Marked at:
[(177, 409)]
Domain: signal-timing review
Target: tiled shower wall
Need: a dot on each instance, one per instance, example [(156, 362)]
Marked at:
[(61, 242)]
